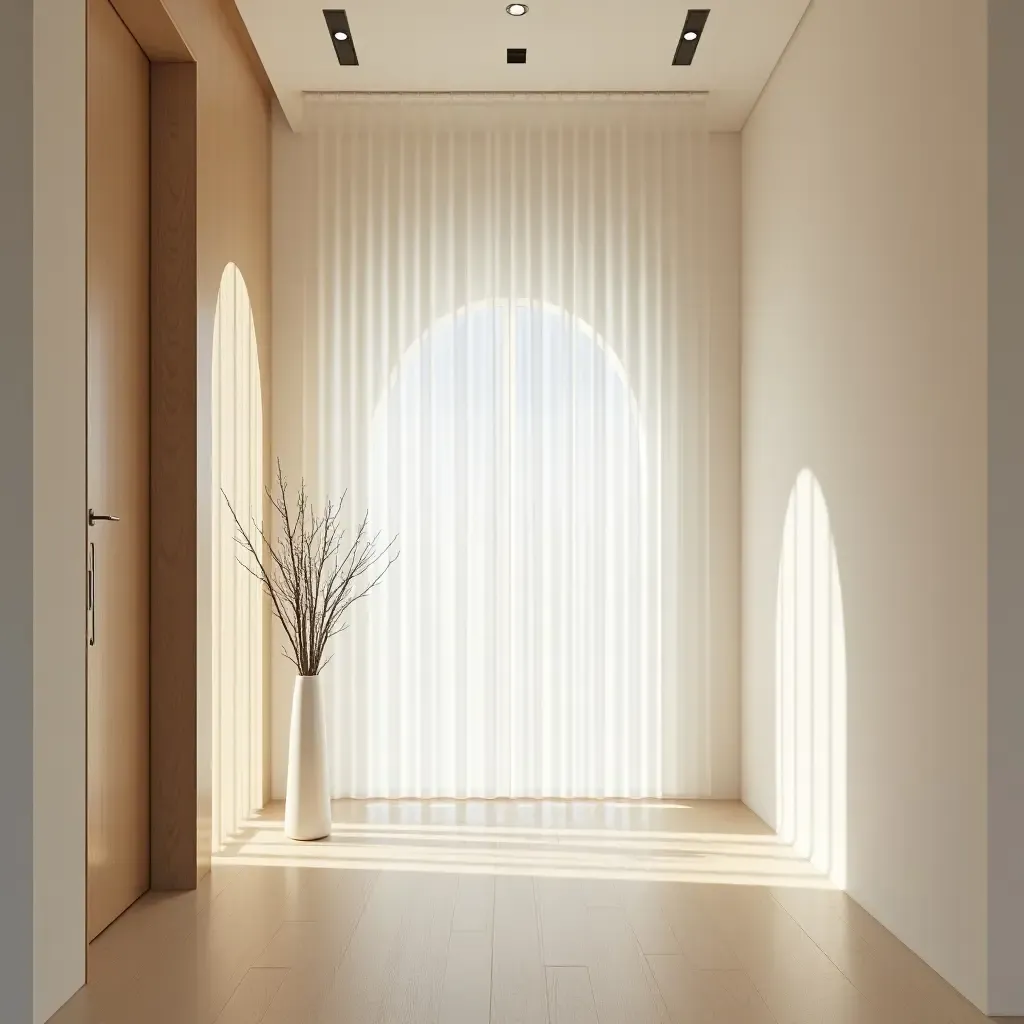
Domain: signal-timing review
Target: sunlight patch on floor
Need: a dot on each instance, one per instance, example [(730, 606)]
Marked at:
[(437, 837)]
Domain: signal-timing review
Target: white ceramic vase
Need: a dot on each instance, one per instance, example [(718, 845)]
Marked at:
[(307, 808)]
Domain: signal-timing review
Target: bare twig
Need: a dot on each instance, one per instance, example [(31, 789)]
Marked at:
[(311, 584)]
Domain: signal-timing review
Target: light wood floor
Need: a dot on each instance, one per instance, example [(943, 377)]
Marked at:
[(510, 913)]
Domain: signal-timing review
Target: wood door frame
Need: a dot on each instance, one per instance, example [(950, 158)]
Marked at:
[(176, 859)]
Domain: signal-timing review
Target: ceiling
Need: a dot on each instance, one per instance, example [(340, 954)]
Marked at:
[(573, 45)]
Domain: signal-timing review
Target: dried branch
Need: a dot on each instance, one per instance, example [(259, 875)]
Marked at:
[(310, 582)]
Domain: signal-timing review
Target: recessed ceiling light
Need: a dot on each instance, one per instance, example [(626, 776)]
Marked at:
[(517, 10), (340, 32), (689, 38)]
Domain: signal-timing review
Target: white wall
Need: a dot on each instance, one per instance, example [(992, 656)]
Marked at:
[(1006, 509), (42, 418), (60, 500), (864, 360), (16, 341), (288, 184)]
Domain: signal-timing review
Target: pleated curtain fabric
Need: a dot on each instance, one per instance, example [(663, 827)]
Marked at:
[(505, 361)]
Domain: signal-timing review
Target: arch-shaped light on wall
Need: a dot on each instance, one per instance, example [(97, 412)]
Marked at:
[(456, 455), (237, 606), (810, 684)]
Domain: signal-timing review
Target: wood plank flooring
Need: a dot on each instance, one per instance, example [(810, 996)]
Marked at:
[(510, 913)]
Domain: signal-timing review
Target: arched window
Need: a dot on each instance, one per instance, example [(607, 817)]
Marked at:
[(513, 655)]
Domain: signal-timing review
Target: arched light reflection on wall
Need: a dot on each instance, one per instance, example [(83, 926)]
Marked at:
[(519, 648), (810, 685), (237, 463)]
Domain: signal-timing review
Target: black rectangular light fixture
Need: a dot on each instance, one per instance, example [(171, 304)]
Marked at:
[(515, 56), (341, 37), (689, 38)]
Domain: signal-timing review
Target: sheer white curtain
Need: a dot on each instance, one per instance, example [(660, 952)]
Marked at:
[(504, 360)]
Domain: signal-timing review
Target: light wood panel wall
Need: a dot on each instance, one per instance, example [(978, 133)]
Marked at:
[(173, 735), (233, 225), (153, 29), (211, 206)]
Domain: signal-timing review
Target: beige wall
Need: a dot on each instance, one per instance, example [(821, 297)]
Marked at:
[(864, 360), (234, 159), (234, 226)]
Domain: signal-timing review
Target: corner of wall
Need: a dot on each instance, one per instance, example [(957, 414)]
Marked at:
[(59, 504), (286, 385), (18, 811), (724, 460), (1005, 511)]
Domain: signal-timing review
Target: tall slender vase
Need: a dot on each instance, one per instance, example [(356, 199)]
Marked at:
[(307, 808)]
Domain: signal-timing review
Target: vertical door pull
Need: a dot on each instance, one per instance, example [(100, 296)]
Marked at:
[(92, 594), (94, 518)]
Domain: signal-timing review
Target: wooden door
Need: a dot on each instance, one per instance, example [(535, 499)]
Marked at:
[(118, 452)]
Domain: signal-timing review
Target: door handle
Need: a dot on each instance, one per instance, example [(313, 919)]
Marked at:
[(91, 596), (94, 518)]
